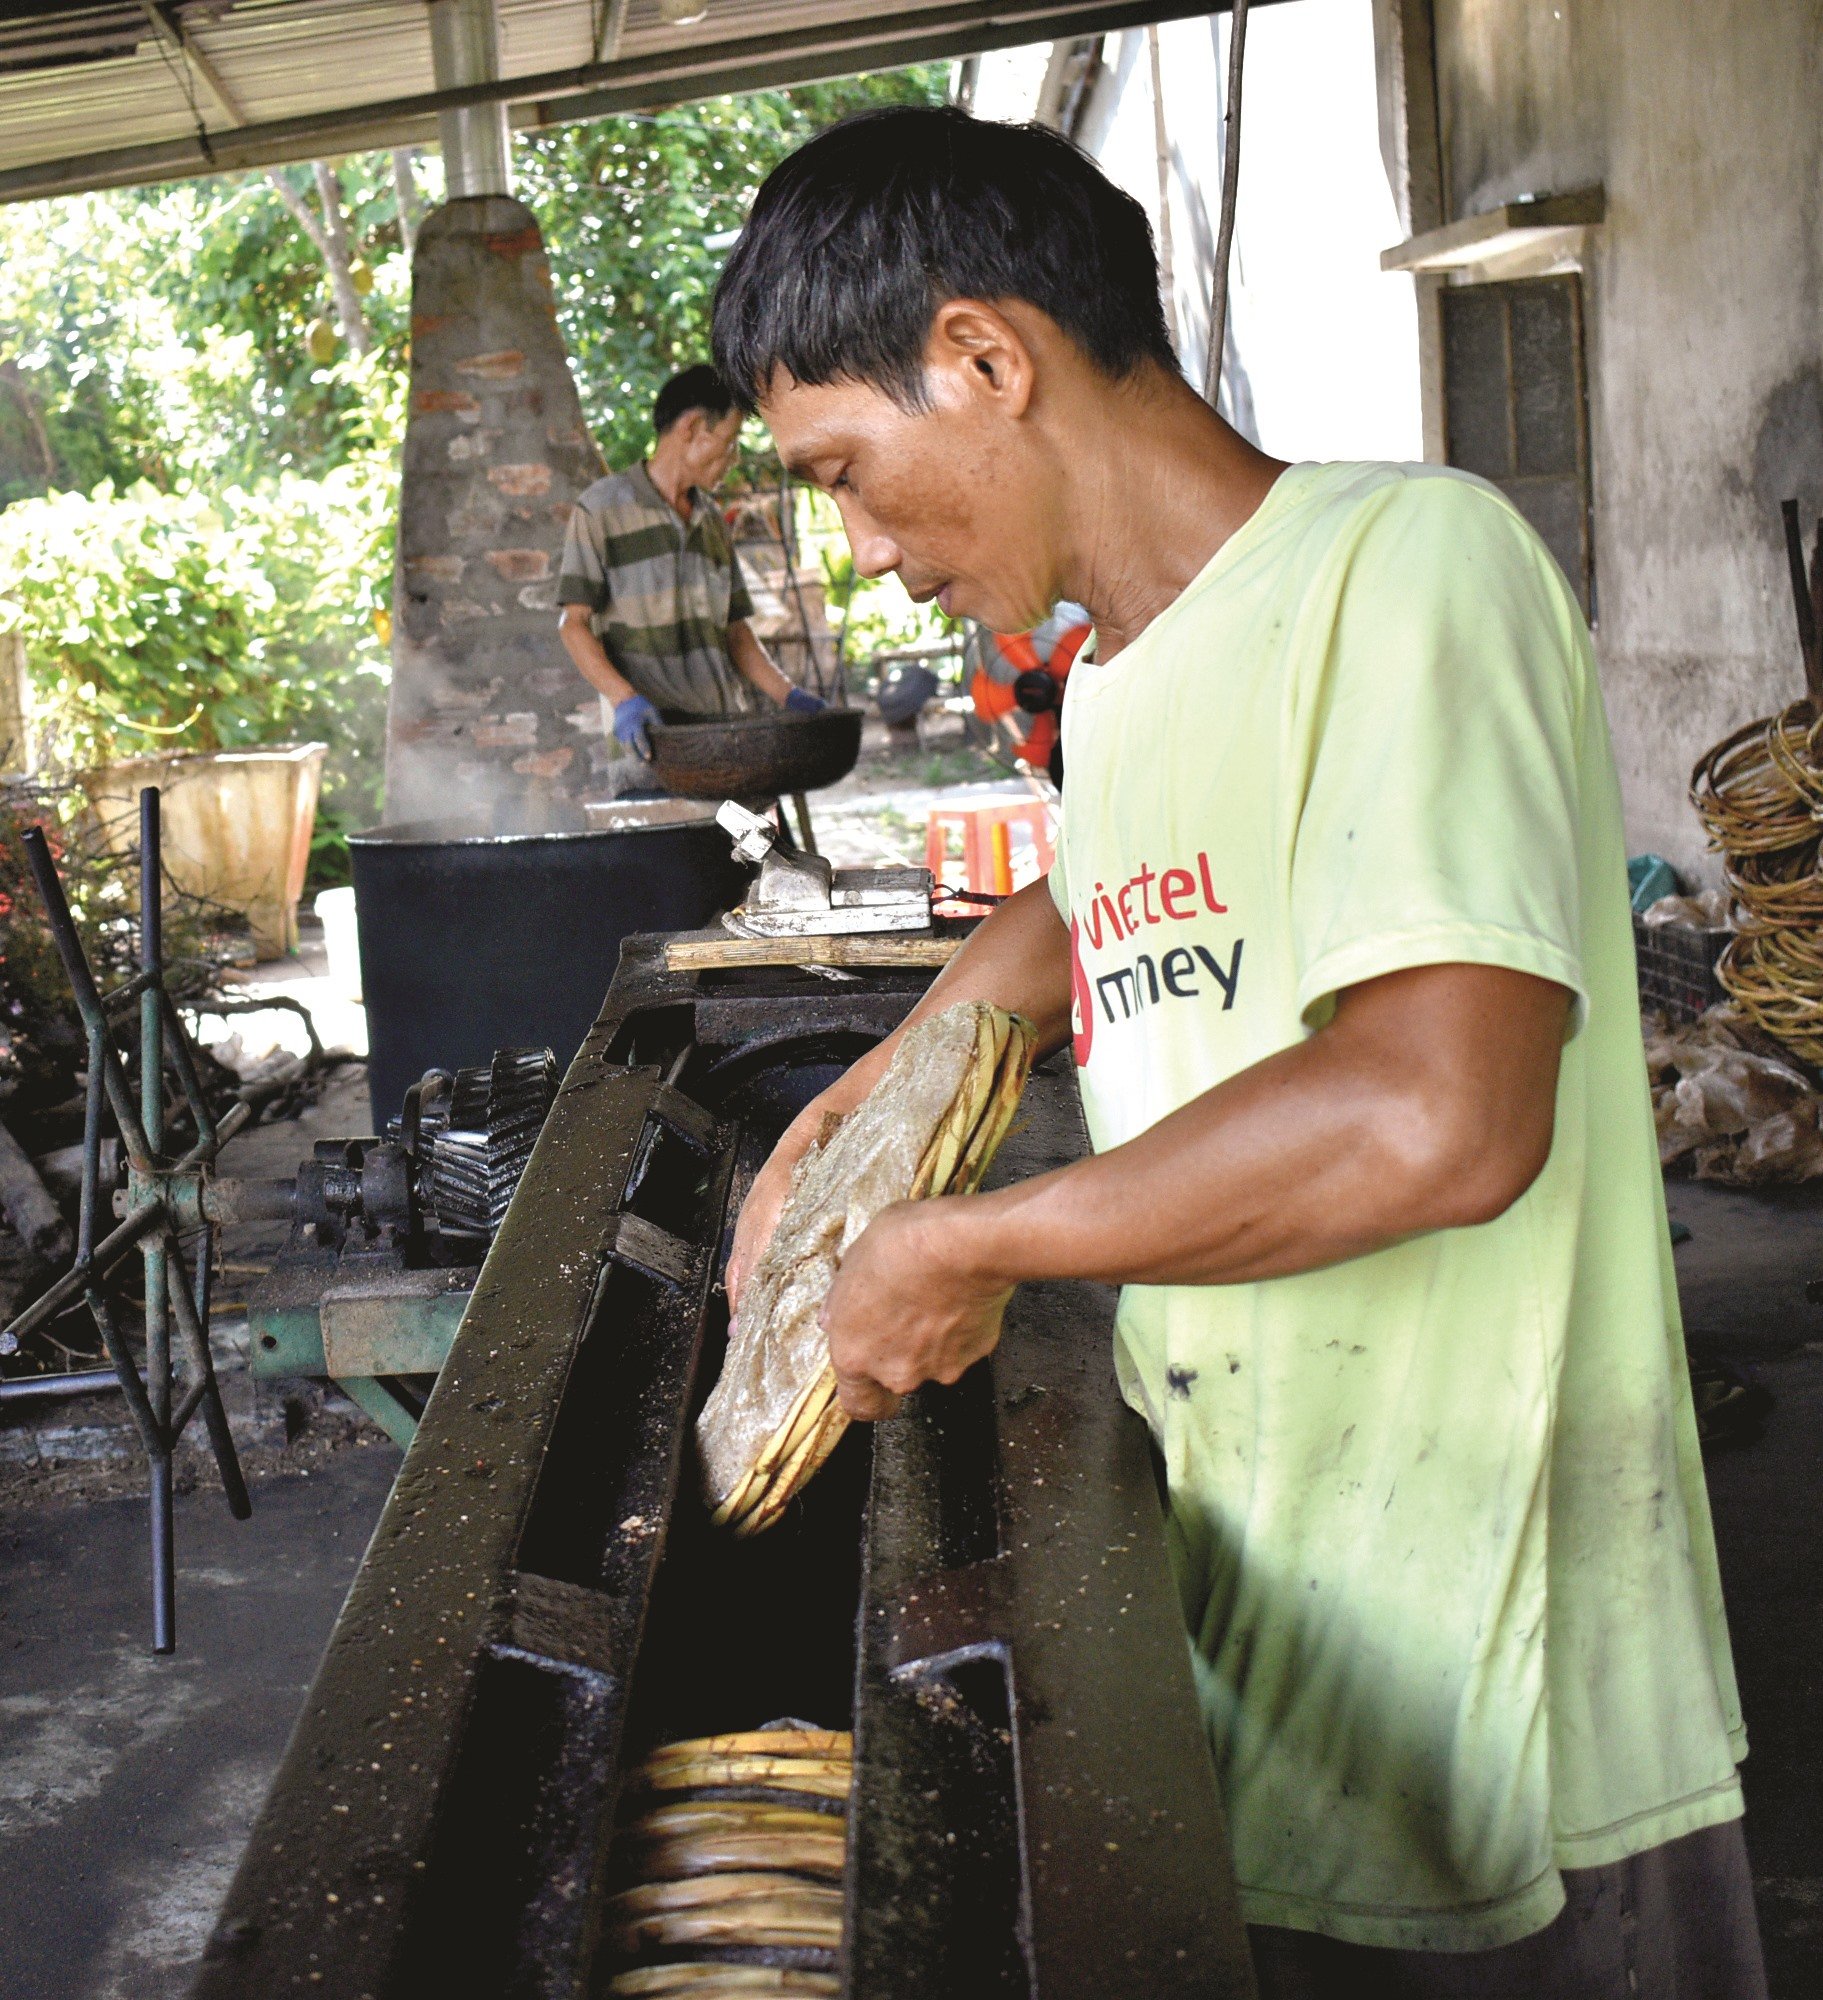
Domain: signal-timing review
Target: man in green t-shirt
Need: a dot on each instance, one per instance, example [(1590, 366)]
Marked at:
[(1339, 932)]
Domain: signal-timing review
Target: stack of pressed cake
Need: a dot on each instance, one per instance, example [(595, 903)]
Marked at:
[(731, 1850)]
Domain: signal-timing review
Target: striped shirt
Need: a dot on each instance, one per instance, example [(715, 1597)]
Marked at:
[(661, 592)]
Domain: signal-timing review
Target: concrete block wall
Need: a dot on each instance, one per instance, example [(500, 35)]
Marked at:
[(486, 708), (1704, 300)]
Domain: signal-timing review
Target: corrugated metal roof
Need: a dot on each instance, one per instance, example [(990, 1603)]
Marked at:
[(98, 93)]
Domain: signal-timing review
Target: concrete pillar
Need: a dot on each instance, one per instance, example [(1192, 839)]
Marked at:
[(1406, 67), (477, 142)]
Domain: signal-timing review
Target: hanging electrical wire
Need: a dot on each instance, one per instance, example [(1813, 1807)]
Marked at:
[(1231, 178)]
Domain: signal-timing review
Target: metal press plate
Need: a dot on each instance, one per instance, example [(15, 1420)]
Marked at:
[(631, 815)]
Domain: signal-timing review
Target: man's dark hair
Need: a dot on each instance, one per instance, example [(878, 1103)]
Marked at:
[(698, 388), (858, 238)]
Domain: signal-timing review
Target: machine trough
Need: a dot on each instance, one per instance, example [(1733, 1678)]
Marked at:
[(978, 1588)]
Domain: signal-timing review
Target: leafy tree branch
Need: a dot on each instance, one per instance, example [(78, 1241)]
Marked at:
[(327, 227)]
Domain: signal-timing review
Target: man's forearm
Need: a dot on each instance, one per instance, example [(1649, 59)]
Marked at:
[(1373, 1130), (1266, 1175), (591, 660), (753, 663)]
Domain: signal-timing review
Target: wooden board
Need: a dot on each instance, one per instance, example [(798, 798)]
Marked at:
[(703, 951)]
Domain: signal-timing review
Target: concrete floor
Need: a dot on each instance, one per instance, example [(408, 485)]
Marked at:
[(1742, 1276), (127, 1784)]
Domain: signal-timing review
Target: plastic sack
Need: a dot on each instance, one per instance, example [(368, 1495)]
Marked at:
[(1787, 1147), (1707, 912), (1737, 1090)]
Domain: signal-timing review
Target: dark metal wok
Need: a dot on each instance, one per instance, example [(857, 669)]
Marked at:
[(749, 756)]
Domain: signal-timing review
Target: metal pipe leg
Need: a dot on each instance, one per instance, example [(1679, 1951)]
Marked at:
[(158, 1394), (157, 1263), (164, 1559), (193, 1324)]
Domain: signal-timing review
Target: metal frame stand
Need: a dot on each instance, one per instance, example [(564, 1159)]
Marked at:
[(165, 1198)]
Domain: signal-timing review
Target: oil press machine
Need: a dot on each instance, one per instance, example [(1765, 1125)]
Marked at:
[(978, 1589)]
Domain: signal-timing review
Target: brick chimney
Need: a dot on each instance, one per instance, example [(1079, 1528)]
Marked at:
[(486, 707)]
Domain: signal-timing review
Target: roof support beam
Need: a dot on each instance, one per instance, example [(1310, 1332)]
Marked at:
[(648, 81), (610, 25), (177, 34)]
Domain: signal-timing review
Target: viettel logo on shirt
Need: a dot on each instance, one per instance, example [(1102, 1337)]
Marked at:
[(1149, 900), (1082, 1008)]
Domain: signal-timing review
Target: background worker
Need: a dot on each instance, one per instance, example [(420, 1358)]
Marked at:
[(655, 608), (1339, 932)]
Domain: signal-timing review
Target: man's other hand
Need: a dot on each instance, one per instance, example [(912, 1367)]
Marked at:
[(633, 718), (800, 701), (902, 1311)]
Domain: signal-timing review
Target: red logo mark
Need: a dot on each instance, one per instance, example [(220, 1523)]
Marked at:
[(1082, 1006)]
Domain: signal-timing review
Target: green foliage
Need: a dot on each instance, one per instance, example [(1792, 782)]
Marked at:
[(80, 346), (240, 264), (159, 334), (178, 620), (869, 615), (627, 205)]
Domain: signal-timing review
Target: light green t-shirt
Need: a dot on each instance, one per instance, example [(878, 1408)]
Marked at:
[(1437, 1512)]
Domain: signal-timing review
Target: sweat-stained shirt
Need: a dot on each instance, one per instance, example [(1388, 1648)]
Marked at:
[(1437, 1513), (661, 593)]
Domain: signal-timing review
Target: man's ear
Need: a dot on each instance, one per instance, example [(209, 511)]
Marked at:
[(978, 351)]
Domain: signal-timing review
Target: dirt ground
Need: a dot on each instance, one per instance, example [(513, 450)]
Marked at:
[(876, 817)]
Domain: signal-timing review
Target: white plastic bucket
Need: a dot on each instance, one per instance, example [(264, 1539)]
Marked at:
[(341, 940)]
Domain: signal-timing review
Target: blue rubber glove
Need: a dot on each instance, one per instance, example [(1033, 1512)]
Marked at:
[(632, 718), (800, 701)]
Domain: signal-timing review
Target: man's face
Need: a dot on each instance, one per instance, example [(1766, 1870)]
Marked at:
[(949, 498), (708, 446)]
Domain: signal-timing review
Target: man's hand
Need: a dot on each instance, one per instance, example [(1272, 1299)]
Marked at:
[(1019, 958), (903, 1311), (633, 718), (800, 701)]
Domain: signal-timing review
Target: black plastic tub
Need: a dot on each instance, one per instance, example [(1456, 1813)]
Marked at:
[(473, 940)]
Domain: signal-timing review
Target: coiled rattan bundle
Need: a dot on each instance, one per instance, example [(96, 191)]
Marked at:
[(929, 1127), (1759, 793)]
